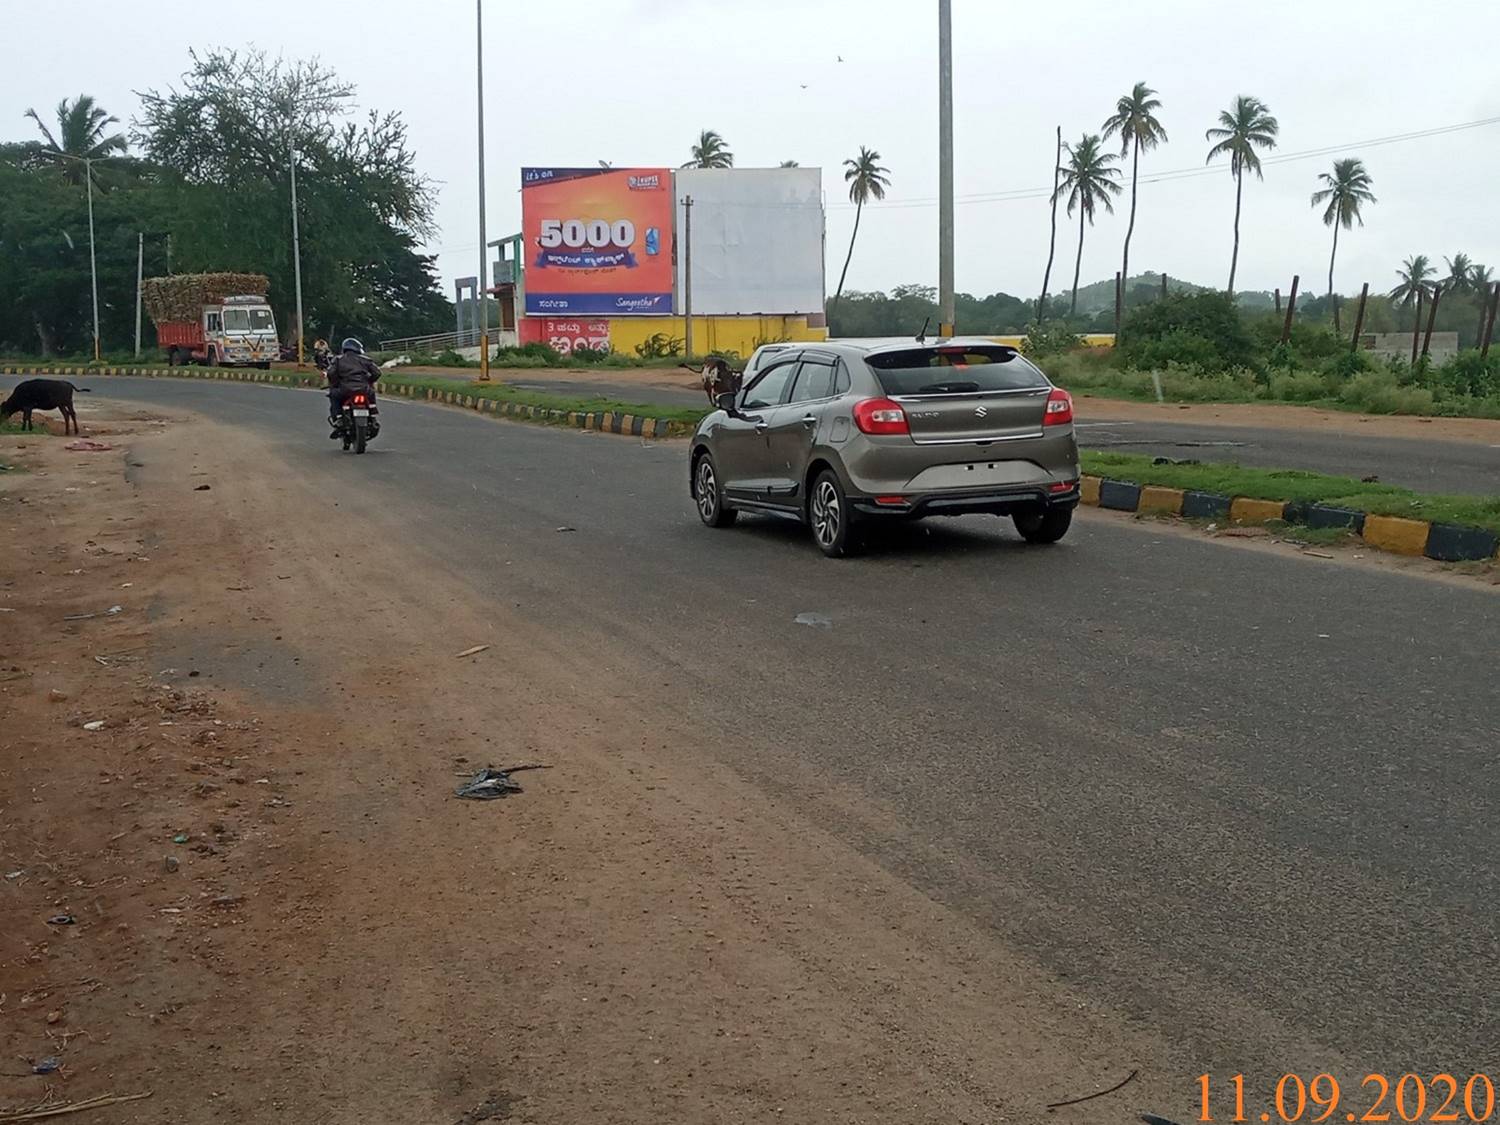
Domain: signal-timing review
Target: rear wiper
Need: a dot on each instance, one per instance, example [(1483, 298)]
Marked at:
[(948, 389)]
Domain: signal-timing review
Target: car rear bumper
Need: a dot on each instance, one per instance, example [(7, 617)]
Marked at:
[(990, 501)]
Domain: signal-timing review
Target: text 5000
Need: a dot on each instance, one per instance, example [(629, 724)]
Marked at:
[(577, 233)]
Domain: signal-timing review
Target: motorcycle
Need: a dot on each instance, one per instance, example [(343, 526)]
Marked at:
[(359, 421)]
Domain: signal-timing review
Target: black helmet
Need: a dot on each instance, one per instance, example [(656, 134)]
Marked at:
[(352, 345)]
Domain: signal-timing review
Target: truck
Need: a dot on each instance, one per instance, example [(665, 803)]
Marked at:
[(213, 319)]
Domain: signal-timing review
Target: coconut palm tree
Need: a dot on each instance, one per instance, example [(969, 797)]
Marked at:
[(82, 134), (790, 164), (1415, 274), (1088, 180), (867, 180), (1459, 270), (1244, 127), (710, 152), (1135, 122), (1346, 190)]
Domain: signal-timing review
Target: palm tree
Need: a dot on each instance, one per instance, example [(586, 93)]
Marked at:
[(1459, 274), (1415, 274), (1243, 128), (1481, 278), (81, 135), (710, 152), (1346, 191), (790, 164), (1135, 122), (1088, 180), (867, 180)]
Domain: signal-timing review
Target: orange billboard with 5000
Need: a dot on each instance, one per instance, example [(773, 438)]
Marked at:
[(598, 241)]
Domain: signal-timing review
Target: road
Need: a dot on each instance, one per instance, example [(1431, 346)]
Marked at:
[(1245, 797), (1428, 466)]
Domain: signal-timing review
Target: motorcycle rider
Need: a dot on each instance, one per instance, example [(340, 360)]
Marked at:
[(352, 371)]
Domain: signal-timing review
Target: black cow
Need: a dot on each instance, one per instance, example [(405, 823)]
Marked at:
[(42, 394)]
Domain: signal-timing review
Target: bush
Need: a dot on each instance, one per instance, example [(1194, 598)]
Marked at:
[(1346, 364), (1202, 329), (1379, 392), (1299, 386), (1049, 338), (585, 354), (1469, 374)]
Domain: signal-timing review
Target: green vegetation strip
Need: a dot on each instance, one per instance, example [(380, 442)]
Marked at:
[(1291, 485), (543, 400)]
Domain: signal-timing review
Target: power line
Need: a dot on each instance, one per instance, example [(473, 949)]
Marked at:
[(1016, 194)]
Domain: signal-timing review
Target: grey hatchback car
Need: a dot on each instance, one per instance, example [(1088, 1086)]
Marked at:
[(840, 434)]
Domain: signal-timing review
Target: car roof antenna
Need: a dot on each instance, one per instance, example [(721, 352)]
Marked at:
[(922, 335)]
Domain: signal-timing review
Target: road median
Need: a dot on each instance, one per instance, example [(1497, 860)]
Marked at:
[(1446, 528), (498, 398)]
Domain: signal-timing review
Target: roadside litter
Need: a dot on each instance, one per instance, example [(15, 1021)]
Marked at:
[(203, 488), (47, 1066), (85, 445), (490, 783), (814, 620), (96, 724), (470, 651), (110, 612), (61, 920), (1127, 1080), (567, 529), (60, 1109)]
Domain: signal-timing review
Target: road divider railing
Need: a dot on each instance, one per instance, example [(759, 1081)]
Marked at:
[(639, 421)]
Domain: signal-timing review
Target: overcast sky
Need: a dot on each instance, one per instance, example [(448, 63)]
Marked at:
[(570, 82)]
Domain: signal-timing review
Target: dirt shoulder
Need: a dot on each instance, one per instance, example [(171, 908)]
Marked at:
[(1287, 417), (279, 910)]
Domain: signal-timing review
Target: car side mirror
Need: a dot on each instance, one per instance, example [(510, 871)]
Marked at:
[(725, 402)]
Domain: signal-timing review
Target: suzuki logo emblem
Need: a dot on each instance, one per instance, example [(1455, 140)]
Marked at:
[(980, 411)]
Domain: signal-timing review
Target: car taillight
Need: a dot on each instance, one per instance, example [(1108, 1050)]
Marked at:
[(1059, 408), (880, 416)]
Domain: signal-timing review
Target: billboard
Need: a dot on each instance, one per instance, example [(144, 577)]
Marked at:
[(598, 241), (757, 240)]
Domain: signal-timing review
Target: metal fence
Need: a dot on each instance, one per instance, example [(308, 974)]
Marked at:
[(435, 343)]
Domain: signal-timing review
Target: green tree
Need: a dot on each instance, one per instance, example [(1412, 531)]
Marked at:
[(1416, 279), (1135, 123), (225, 140), (1244, 127), (710, 151), (82, 134), (1460, 276), (1346, 190), (1088, 180), (867, 180)]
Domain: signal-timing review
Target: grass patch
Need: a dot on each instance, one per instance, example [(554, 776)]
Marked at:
[(11, 427), (1295, 484), (503, 392)]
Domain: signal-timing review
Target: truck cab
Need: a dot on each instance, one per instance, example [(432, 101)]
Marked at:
[(240, 333)]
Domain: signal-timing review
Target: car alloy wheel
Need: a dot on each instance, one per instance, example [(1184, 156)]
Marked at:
[(708, 490), (827, 513)]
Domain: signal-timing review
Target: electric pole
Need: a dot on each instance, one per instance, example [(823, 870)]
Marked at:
[(140, 269), (484, 249), (687, 273), (88, 174), (945, 168), (296, 247)]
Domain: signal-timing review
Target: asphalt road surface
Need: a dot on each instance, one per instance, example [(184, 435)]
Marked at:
[(1247, 797), (1428, 466)]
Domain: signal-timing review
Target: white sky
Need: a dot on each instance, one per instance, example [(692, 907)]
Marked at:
[(570, 82)]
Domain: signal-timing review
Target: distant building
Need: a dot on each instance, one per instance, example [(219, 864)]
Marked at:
[(1397, 345)]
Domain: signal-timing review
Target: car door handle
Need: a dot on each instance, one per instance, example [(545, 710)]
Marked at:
[(809, 420), (760, 425)]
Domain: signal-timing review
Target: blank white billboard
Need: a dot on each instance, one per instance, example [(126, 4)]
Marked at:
[(757, 240)]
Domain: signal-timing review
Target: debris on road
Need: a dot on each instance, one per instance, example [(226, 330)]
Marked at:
[(61, 920), (202, 488), (169, 864), (567, 529), (46, 1066), (814, 620), (56, 696), (180, 838), (58, 1109), (490, 783), (470, 651), (1152, 1119), (1128, 1079), (87, 445), (96, 724)]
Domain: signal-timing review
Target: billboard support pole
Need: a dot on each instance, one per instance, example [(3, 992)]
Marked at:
[(687, 273), (484, 248), (945, 168)]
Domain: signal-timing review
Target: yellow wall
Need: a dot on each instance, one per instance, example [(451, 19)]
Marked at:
[(712, 334)]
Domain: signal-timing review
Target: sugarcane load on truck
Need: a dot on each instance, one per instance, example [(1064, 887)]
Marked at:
[(214, 319)]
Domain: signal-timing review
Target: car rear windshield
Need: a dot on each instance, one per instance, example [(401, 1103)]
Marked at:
[(954, 370)]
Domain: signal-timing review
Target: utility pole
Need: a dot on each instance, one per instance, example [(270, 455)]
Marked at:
[(88, 175), (1291, 308), (1489, 322), (1437, 293), (484, 248), (140, 270), (945, 168), (1359, 317), (1416, 329), (687, 273), (296, 247)]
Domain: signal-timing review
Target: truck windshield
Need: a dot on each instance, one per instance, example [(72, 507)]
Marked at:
[(246, 320)]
